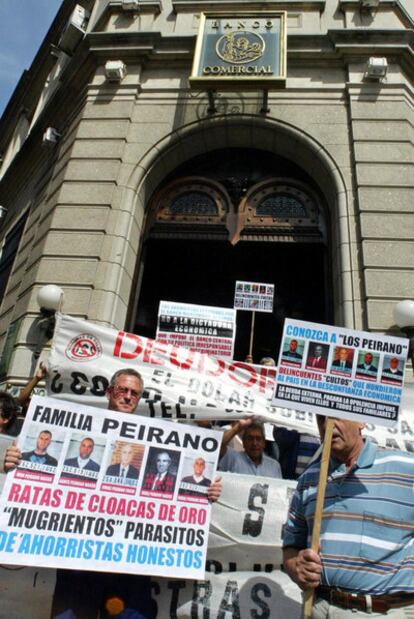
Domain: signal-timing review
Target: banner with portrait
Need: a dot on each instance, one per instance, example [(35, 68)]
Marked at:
[(108, 491)]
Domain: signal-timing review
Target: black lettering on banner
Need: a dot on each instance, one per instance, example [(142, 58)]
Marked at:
[(175, 586), (155, 588), (230, 601), (262, 588), (54, 386), (77, 386), (99, 385), (253, 527), (201, 597)]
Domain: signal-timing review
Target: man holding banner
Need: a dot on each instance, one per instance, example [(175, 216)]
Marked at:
[(365, 564), (81, 594)]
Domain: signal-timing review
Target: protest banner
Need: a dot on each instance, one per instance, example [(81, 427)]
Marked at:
[(85, 355), (254, 296), (179, 383), (243, 576), (207, 329), (341, 372), (127, 512)]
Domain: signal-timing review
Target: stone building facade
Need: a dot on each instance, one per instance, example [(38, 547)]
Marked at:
[(148, 194)]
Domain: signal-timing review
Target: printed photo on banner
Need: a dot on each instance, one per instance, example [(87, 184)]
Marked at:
[(160, 473), (40, 454), (317, 356), (392, 370), (367, 365), (195, 480), (350, 374), (122, 474), (342, 361), (292, 352), (111, 523), (82, 461), (251, 296)]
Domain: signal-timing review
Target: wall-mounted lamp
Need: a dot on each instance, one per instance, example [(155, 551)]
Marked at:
[(49, 299), (3, 211), (50, 137), (115, 70), (130, 5), (376, 68), (404, 318), (369, 4)]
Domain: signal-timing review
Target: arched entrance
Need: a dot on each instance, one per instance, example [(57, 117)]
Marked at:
[(237, 214)]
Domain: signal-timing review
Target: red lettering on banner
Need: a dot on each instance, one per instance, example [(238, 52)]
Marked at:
[(267, 378), (166, 512), (242, 366), (123, 338), (183, 365), (220, 365), (154, 346)]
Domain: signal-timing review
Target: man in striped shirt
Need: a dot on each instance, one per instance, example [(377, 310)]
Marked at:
[(365, 564)]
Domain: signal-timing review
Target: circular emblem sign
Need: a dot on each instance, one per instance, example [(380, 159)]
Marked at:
[(240, 47), (84, 347)]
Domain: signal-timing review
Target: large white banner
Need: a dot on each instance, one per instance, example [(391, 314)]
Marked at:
[(184, 385), (108, 491), (243, 577)]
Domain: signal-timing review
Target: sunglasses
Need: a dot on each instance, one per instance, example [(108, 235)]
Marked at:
[(124, 391)]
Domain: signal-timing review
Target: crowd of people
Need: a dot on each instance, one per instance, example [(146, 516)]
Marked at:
[(365, 561)]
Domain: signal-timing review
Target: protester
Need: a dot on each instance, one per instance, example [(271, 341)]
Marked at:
[(8, 412), (296, 451), (85, 595), (364, 564), (9, 405), (39, 453), (251, 461)]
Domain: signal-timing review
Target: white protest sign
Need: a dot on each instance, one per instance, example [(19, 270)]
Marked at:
[(210, 330), (254, 296), (140, 520), (340, 372)]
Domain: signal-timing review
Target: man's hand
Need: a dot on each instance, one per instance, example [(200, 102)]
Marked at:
[(308, 569), (41, 371), (214, 490), (12, 458), (303, 566)]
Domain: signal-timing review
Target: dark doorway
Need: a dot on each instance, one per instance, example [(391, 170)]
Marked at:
[(205, 272)]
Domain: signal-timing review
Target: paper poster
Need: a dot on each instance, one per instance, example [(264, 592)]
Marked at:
[(340, 372), (254, 296), (104, 490), (209, 330)]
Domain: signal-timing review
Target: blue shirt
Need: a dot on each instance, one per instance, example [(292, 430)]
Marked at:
[(239, 462), (367, 533)]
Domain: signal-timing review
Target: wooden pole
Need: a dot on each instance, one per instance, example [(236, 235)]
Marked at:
[(251, 334), (320, 498)]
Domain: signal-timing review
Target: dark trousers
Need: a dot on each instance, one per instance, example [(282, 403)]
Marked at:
[(82, 595)]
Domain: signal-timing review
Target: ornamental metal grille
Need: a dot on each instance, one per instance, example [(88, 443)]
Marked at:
[(281, 206), (193, 203)]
